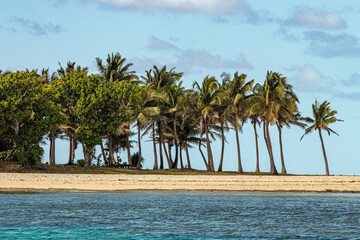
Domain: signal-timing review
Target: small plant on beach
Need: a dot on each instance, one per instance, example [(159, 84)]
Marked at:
[(81, 162), (323, 116)]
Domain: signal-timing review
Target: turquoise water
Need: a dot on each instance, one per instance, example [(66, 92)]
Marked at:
[(179, 215)]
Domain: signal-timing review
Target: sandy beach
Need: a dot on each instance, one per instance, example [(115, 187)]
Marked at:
[(122, 182)]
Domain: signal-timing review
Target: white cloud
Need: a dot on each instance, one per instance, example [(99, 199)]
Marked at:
[(208, 7), (310, 18), (189, 60), (306, 78)]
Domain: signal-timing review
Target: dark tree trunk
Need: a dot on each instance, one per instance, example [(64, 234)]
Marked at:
[(181, 160), (176, 143), (111, 151), (169, 154), (273, 170), (72, 150), (203, 156), (160, 148), (52, 149), (257, 149), (103, 152), (166, 154), (208, 146), (187, 155), (283, 169), (324, 153), (222, 146), (154, 144), (240, 169), (87, 157), (138, 165), (128, 150)]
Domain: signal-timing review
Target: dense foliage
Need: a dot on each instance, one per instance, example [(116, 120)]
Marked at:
[(90, 109)]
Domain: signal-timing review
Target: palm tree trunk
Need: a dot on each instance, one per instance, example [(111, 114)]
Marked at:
[(169, 154), (208, 146), (170, 163), (138, 165), (202, 154), (324, 153), (103, 152), (181, 160), (222, 146), (52, 149), (160, 148), (273, 170), (87, 156), (72, 150), (154, 145), (257, 149), (176, 143), (240, 169), (283, 169), (187, 156), (128, 150), (111, 151)]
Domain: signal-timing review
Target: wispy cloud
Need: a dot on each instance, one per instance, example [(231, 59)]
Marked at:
[(9, 29), (352, 81), (189, 59), (307, 78), (36, 28), (287, 35), (208, 7), (158, 44), (202, 7), (310, 18), (332, 45)]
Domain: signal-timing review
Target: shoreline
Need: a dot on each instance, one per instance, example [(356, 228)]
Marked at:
[(36, 182)]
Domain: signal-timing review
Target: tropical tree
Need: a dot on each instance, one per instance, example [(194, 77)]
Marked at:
[(238, 92), (157, 80), (208, 97), (68, 127), (323, 116), (273, 96), (25, 114), (115, 68)]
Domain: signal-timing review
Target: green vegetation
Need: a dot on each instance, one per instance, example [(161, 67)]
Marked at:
[(103, 109)]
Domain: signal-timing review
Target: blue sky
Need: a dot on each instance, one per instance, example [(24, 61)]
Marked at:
[(315, 44)]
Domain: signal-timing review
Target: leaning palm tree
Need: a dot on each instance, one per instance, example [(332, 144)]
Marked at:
[(323, 116)]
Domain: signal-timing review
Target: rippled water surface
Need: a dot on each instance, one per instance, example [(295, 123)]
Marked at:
[(179, 215)]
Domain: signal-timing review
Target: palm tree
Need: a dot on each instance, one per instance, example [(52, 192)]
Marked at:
[(238, 90), (156, 80), (208, 97), (273, 96), (115, 69), (323, 116)]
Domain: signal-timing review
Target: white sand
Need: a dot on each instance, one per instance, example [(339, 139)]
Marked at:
[(118, 182)]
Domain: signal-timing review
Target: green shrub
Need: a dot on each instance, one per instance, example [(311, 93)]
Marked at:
[(80, 162)]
